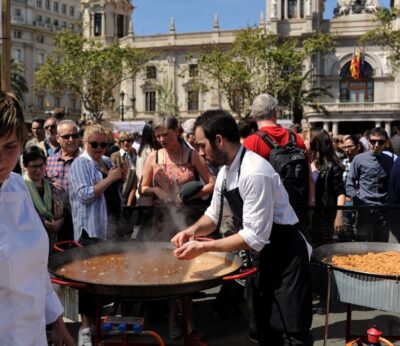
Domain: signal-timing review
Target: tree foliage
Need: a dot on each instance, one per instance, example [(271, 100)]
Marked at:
[(19, 85), (166, 98), (385, 35), (89, 69), (259, 62)]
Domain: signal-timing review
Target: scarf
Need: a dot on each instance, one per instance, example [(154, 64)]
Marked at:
[(43, 206)]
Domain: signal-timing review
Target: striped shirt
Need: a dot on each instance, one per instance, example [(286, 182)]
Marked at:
[(57, 169), (89, 212)]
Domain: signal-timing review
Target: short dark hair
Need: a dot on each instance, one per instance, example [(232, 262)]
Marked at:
[(39, 121), (378, 131), (218, 122), (32, 153), (247, 126), (58, 113)]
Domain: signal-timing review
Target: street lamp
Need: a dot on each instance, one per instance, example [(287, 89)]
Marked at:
[(121, 105)]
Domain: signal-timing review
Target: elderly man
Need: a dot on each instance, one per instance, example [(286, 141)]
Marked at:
[(260, 204), (58, 166), (50, 144), (270, 134)]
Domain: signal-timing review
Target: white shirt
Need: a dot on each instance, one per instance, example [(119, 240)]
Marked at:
[(265, 200), (27, 299)]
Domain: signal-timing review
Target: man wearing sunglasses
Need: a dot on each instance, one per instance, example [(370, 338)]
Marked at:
[(50, 145), (57, 169), (367, 185)]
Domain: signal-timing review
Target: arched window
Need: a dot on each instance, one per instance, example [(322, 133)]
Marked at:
[(357, 90)]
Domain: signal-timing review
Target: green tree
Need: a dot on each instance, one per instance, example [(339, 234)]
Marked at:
[(166, 98), (89, 69), (259, 62), (19, 85), (385, 35)]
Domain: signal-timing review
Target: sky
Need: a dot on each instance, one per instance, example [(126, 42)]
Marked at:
[(153, 16)]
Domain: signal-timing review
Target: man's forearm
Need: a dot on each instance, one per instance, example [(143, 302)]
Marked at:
[(202, 227)]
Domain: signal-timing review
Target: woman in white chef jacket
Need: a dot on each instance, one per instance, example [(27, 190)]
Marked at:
[(27, 299)]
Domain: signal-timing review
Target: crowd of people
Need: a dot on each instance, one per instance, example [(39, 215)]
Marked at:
[(86, 181)]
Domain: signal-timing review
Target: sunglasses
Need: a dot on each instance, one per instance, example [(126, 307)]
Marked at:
[(348, 147), (48, 127), (94, 145), (72, 136), (126, 140), (36, 166), (375, 141)]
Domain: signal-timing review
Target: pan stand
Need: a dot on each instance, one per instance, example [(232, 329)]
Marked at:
[(328, 299)]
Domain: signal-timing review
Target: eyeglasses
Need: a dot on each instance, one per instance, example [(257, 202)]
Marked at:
[(96, 144), (377, 141), (72, 136), (126, 140), (32, 167), (48, 127)]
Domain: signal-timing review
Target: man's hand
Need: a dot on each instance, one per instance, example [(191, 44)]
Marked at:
[(181, 238), (60, 334), (190, 250)]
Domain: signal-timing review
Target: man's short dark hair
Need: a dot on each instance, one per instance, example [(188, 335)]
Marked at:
[(378, 131), (218, 122), (40, 121), (58, 113)]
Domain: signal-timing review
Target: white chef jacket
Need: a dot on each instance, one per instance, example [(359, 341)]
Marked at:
[(265, 199), (27, 299)]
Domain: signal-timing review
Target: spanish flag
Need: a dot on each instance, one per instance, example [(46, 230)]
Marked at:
[(355, 64)]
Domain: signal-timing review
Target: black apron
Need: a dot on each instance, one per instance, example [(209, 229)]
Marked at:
[(282, 296)]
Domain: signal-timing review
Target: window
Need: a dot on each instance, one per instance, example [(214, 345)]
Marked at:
[(40, 100), (64, 24), (40, 58), (72, 11), (120, 25), (40, 39), (39, 3), (357, 90), (292, 8), (193, 70), (39, 18), (57, 102), (17, 12), (97, 24), (18, 55), (55, 6), (64, 9), (47, 4), (150, 99), (72, 27), (193, 100), (55, 22), (17, 34), (151, 72), (47, 20)]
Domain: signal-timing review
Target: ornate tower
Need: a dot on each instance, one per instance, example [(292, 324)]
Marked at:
[(294, 17), (107, 20)]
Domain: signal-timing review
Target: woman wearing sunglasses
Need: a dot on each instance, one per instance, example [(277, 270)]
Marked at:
[(96, 204)]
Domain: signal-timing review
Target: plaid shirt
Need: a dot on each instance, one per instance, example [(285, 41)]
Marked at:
[(57, 169)]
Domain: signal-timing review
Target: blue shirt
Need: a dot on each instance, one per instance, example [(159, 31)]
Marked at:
[(368, 179), (88, 211)]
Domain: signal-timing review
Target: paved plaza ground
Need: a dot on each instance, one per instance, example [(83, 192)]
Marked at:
[(232, 329)]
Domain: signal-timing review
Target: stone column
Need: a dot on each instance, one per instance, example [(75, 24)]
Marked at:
[(286, 9), (298, 8), (335, 128), (388, 128), (103, 24), (326, 126), (91, 25)]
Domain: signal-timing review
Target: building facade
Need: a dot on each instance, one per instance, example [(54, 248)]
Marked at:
[(33, 25)]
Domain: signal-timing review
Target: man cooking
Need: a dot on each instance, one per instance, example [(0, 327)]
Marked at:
[(259, 202)]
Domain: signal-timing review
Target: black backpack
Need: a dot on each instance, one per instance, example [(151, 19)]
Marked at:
[(290, 162)]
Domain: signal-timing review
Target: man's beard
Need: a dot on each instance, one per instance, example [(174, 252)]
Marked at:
[(219, 158)]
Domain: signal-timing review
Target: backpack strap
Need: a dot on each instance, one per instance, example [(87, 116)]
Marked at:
[(292, 138), (266, 139)]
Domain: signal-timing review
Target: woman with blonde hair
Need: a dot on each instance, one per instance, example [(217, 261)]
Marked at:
[(96, 204)]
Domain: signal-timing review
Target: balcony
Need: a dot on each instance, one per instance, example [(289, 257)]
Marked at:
[(17, 19), (338, 107)]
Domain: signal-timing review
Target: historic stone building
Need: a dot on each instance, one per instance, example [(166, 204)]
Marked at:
[(33, 24)]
